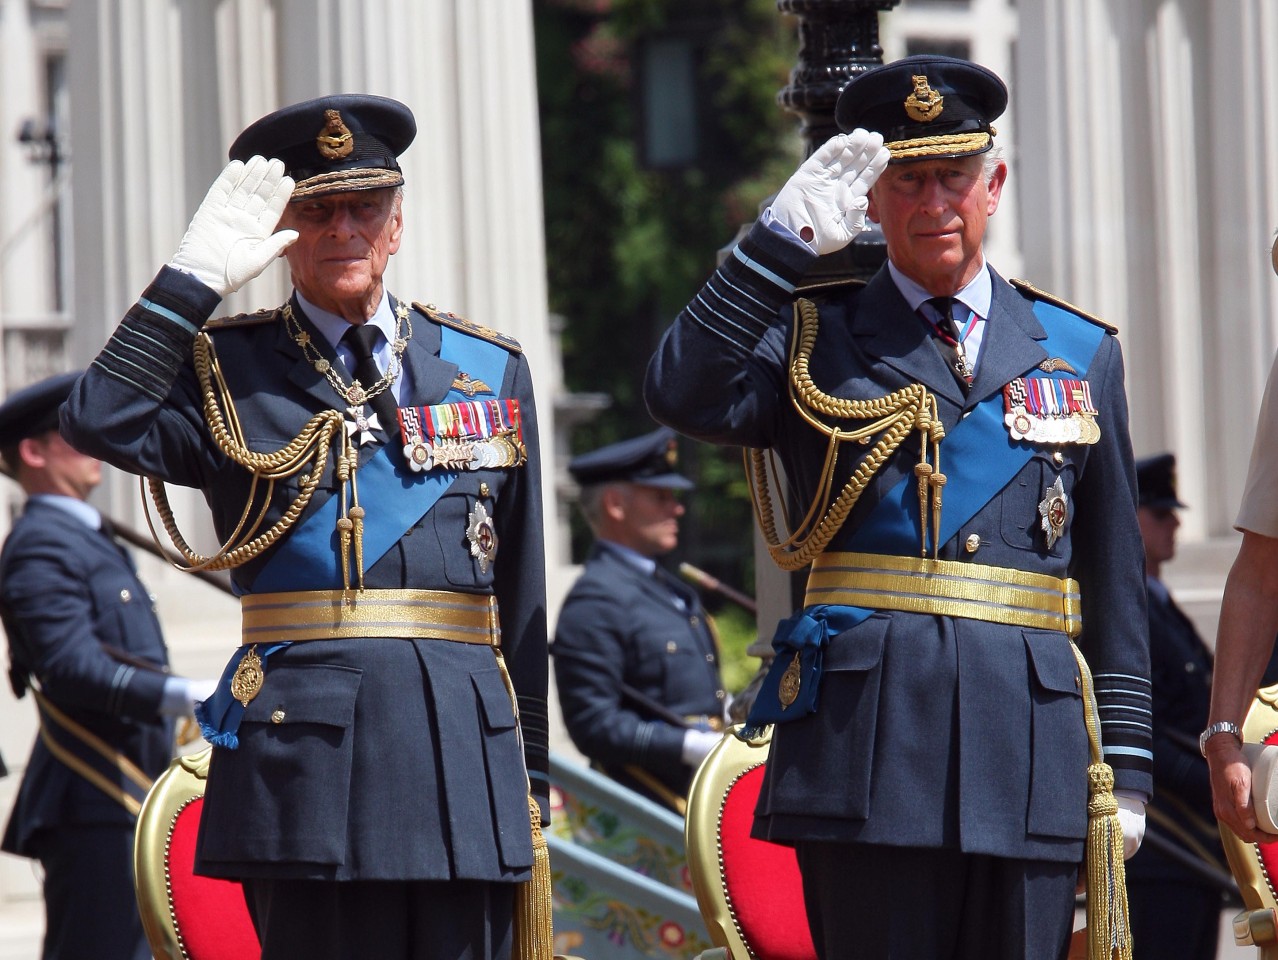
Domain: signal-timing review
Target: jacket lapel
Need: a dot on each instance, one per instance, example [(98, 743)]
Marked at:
[(896, 335), (1012, 345)]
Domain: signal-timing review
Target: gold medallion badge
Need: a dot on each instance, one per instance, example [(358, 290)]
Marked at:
[(335, 141), (248, 677), (788, 688), (924, 104)]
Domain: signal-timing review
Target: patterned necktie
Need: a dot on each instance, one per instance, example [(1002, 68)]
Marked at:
[(950, 341), (360, 340)]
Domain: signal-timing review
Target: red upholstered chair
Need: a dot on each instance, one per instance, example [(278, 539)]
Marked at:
[(749, 891), (185, 916), (1255, 866)]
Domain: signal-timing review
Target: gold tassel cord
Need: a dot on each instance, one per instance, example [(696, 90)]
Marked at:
[(533, 933), (1109, 935), (310, 448), (892, 418)]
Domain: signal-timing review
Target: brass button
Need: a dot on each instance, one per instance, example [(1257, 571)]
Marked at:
[(1078, 681), (277, 716), (125, 595), (709, 658), (671, 646), (483, 489), (1058, 458), (695, 621), (973, 543), (720, 694)]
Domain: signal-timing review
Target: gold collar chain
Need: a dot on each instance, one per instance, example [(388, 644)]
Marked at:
[(354, 393)]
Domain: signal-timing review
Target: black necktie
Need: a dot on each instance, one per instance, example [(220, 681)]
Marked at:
[(950, 341), (360, 340)]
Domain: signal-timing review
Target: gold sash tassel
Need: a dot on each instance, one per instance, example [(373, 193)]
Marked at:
[(533, 934), (1109, 931)]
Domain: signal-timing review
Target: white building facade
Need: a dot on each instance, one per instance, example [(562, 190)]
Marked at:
[(1142, 137)]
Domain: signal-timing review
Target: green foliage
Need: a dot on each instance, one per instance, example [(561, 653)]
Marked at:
[(737, 631), (627, 245)]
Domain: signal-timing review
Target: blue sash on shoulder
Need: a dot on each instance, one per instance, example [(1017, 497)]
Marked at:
[(990, 459), (309, 557)]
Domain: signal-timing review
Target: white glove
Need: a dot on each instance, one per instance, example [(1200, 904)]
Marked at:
[(697, 745), (1131, 817), (229, 241), (181, 695), (824, 202)]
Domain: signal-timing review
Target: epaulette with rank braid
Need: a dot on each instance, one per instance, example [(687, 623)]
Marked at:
[(1035, 293), (469, 326), (827, 289), (243, 319)]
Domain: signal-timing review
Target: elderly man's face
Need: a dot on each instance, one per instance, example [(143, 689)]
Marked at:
[(933, 214), (344, 242)]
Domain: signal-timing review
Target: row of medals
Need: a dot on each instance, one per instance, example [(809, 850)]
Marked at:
[(451, 453)]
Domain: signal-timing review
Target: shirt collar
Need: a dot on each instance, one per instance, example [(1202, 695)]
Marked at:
[(85, 513), (976, 296), (332, 327), (645, 565)]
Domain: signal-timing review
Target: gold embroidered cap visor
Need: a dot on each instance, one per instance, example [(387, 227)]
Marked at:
[(926, 107), (334, 144)]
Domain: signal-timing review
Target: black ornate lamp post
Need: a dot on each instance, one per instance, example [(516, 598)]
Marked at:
[(838, 40)]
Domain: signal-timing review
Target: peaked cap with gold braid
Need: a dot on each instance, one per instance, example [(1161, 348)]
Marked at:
[(926, 107)]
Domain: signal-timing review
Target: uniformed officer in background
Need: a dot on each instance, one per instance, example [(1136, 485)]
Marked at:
[(85, 641), (958, 472), (1175, 910), (636, 656), (373, 473)]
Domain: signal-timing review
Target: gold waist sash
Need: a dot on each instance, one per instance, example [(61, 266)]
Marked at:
[(948, 588), (400, 614)]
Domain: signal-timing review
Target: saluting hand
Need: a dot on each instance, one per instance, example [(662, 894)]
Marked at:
[(825, 201), (229, 241)]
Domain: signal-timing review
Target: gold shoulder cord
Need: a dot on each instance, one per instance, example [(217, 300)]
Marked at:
[(310, 447), (893, 416)]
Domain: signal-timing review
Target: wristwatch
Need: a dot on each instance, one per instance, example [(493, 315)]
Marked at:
[(1220, 726)]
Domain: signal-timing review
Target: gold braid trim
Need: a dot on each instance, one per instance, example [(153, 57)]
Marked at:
[(310, 447), (945, 145), (892, 417)]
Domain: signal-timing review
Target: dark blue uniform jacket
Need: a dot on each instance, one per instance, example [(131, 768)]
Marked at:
[(931, 730), (390, 759), (619, 626), (68, 589)]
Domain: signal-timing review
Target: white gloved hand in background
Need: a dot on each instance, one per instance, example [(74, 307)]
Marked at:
[(697, 744), (824, 202), (229, 241), (181, 694), (1131, 817)]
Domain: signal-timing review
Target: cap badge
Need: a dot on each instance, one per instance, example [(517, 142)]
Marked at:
[(672, 454), (335, 141), (924, 104)]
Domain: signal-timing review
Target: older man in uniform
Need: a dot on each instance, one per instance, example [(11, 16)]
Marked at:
[(958, 472), (636, 657), (372, 469), (85, 641)]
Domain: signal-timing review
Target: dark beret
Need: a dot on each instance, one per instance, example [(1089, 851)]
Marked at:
[(650, 460), (333, 144), (1156, 482), (926, 107), (33, 410)]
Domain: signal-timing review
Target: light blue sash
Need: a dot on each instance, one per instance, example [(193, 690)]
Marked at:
[(309, 558), (990, 458)]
